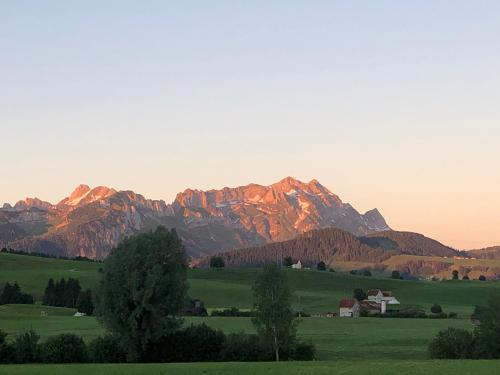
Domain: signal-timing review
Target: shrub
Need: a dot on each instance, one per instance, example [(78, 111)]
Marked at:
[(288, 261), (217, 262), (331, 270), (233, 311), (65, 348), (353, 272), (26, 347), (367, 273), (6, 350), (465, 277), (321, 266), (303, 351), (395, 275), (107, 349), (436, 309), (482, 278), (453, 343), (454, 275), (452, 315), (241, 347), (197, 343), (12, 294)]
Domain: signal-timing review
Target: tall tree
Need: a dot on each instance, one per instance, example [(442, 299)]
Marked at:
[(359, 294), (49, 296), (142, 289), (274, 320), (488, 332), (84, 303)]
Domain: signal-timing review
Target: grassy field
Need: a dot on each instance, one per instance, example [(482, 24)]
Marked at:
[(290, 368), (367, 338), (316, 292), (371, 345)]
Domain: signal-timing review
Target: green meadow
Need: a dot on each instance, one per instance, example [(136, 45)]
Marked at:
[(371, 345)]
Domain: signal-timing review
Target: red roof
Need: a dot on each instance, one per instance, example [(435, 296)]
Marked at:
[(347, 303), (387, 293), (373, 292), (370, 305)]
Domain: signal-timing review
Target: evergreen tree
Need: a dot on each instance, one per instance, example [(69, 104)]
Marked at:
[(359, 294), (84, 303), (49, 296)]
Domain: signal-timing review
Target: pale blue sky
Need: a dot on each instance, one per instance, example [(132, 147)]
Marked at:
[(390, 104)]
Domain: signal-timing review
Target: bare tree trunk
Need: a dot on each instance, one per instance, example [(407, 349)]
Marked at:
[(276, 346)]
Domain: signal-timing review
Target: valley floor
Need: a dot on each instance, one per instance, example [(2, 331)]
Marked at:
[(335, 338)]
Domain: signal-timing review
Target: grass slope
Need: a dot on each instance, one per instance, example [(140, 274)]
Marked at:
[(316, 292), (362, 341)]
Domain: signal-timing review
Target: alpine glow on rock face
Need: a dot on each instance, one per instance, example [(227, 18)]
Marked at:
[(89, 222)]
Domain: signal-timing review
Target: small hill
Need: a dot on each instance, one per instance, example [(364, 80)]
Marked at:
[(332, 245), (413, 243), (410, 253), (486, 253)]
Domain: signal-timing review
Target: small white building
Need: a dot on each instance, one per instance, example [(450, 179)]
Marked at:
[(379, 296), (349, 307), (297, 265)]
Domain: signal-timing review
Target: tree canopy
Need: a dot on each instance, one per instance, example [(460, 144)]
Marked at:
[(142, 289)]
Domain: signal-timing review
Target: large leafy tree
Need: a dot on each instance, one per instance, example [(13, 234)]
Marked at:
[(488, 331), (274, 320), (142, 289)]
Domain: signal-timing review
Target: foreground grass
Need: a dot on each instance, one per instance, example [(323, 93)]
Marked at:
[(290, 368)]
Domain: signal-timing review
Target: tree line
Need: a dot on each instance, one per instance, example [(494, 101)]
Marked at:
[(12, 294), (44, 255), (68, 293)]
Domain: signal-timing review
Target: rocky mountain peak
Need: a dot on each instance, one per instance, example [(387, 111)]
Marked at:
[(83, 194)]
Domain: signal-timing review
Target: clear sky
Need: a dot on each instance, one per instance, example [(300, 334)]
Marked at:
[(390, 104)]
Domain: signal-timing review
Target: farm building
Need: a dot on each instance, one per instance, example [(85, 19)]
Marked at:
[(375, 303), (380, 296), (349, 307)]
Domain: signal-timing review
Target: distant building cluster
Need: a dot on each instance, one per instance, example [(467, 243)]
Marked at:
[(375, 303)]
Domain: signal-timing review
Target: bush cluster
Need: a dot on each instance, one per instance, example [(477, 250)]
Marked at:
[(196, 343), (13, 294), (482, 343), (411, 314), (233, 311)]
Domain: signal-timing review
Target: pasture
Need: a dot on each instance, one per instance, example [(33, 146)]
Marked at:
[(372, 345)]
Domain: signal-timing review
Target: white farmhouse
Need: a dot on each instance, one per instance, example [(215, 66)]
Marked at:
[(297, 265), (378, 296)]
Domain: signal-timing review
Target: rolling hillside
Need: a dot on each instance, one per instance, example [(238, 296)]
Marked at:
[(318, 291), (410, 253)]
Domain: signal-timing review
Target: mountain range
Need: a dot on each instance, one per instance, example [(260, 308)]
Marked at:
[(90, 222)]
